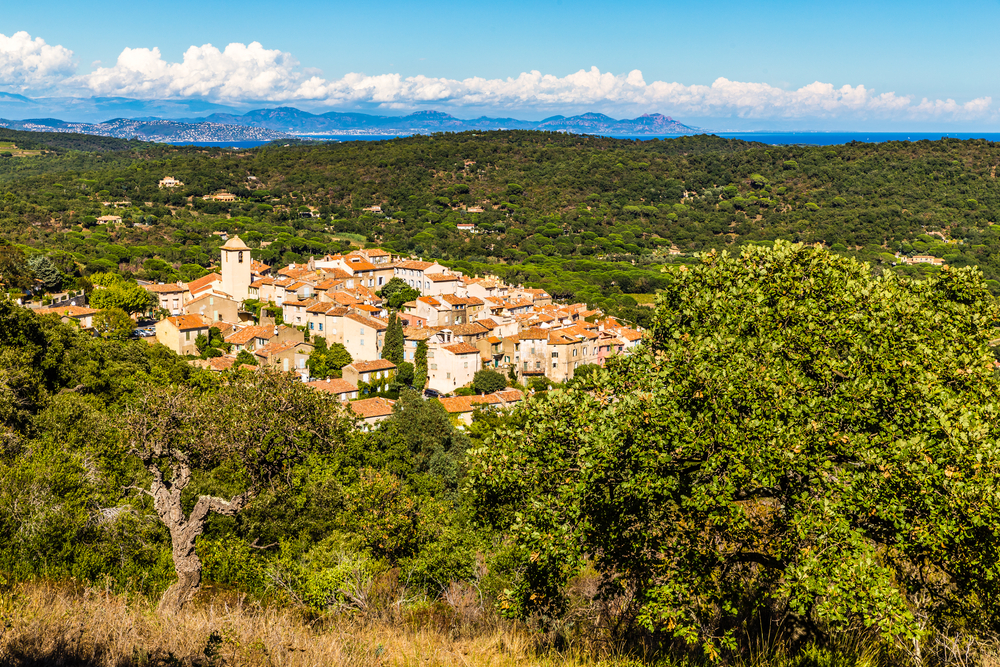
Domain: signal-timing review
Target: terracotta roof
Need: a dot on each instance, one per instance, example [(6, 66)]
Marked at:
[(494, 340), (329, 283), (300, 302), (333, 385), (247, 334), (473, 301), (67, 311), (440, 277), (509, 395), (334, 272), (344, 298), (372, 407), (327, 307), (488, 323), (418, 333), (461, 348), (557, 338), (259, 267), (204, 282), (217, 364), (375, 252), (367, 321), (459, 404), (536, 293), (630, 334), (185, 322), (276, 348), (454, 300), (534, 333), (167, 288), (360, 264), (263, 281), (429, 299), (413, 264), (235, 244), (369, 366), (468, 329)]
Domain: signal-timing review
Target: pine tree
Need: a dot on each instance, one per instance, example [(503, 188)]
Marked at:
[(394, 341)]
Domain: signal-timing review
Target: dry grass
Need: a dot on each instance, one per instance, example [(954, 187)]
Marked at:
[(44, 624)]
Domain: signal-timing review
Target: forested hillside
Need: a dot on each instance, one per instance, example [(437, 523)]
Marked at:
[(583, 217)]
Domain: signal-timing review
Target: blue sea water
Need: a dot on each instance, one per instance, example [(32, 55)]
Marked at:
[(773, 138), (837, 138)]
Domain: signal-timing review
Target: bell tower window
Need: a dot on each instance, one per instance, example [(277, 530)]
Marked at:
[(239, 258)]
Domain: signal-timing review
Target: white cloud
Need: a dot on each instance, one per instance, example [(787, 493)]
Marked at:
[(252, 73), (241, 71), (27, 63)]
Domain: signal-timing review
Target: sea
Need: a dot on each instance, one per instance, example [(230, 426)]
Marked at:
[(773, 138)]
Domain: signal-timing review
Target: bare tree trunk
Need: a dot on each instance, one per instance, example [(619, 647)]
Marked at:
[(184, 530)]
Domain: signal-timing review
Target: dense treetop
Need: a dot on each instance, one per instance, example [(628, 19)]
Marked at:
[(584, 217)]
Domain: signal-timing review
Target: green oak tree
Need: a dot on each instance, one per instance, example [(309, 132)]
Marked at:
[(800, 444), (113, 323)]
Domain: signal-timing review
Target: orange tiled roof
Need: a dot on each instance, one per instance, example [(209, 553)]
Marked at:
[(66, 311), (461, 348), (367, 321), (186, 322), (534, 333), (413, 264), (440, 277), (459, 404), (373, 407), (369, 366), (247, 334), (333, 385), (204, 282), (168, 288), (276, 348), (468, 329)]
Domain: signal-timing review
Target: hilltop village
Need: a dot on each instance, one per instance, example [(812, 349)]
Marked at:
[(466, 324)]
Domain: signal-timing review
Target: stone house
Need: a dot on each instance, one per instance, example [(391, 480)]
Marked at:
[(180, 332)]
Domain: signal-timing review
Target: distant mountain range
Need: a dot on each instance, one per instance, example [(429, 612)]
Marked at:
[(302, 123), (288, 122)]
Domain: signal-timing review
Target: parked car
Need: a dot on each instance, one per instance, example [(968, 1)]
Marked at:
[(432, 393)]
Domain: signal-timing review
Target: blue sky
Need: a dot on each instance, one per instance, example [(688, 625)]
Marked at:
[(722, 64)]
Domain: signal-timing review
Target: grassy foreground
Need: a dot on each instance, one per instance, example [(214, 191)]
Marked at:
[(46, 624), (62, 626)]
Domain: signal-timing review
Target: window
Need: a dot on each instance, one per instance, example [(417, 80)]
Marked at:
[(526, 367), (447, 376), (310, 326), (575, 351), (187, 335), (362, 342), (239, 258), (584, 351), (555, 355), (555, 364), (320, 326), (538, 365), (466, 364), (434, 367), (506, 359), (532, 350)]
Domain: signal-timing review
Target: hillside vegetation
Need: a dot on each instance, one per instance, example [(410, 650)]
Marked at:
[(583, 217)]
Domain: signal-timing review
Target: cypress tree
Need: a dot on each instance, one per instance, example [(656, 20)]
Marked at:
[(420, 366), (394, 340)]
